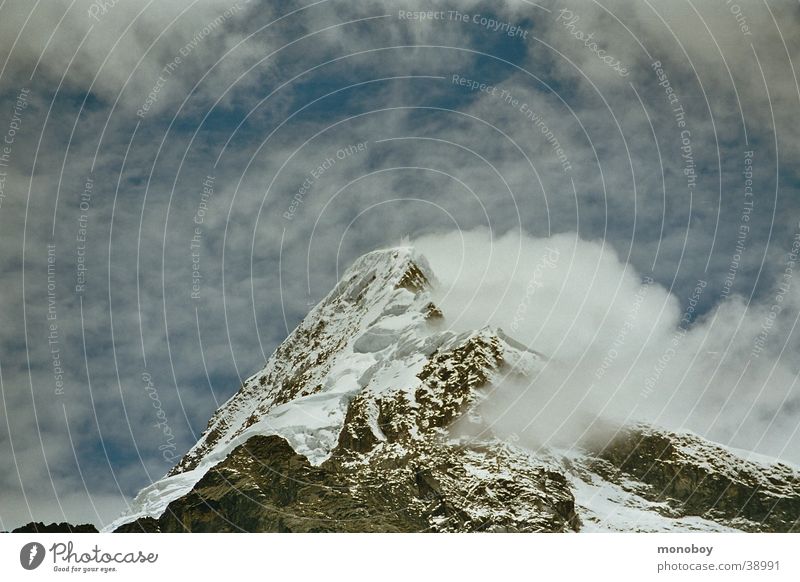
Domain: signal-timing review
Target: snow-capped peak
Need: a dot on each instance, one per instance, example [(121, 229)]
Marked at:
[(375, 402), (370, 329)]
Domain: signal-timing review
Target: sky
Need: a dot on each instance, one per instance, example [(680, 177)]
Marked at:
[(614, 183)]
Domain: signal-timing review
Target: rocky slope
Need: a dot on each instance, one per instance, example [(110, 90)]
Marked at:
[(367, 418), (61, 527)]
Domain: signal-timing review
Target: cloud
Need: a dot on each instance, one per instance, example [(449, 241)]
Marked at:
[(620, 346), (104, 46)]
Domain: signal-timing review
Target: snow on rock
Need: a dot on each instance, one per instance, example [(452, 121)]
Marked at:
[(368, 331), (606, 507)]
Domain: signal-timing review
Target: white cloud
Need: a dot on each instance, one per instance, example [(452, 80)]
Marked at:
[(617, 344)]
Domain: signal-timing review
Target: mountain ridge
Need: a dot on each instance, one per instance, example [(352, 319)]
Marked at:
[(367, 418)]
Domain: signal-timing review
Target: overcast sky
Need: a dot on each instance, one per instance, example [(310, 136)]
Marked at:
[(180, 181)]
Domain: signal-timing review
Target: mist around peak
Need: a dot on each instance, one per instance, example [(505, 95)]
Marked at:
[(621, 348)]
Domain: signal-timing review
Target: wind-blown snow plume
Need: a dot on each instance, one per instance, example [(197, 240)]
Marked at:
[(621, 346)]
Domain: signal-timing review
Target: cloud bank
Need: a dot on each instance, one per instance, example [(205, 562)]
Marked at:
[(620, 346)]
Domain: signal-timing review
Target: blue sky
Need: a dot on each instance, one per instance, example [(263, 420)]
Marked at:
[(264, 96)]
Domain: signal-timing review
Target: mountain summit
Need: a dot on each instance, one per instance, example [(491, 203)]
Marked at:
[(367, 418)]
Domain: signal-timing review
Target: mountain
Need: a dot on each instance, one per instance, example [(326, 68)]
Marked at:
[(367, 418), (62, 527)]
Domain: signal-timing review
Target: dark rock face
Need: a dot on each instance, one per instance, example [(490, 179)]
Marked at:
[(265, 486), (464, 487), (697, 478), (143, 525), (63, 527)]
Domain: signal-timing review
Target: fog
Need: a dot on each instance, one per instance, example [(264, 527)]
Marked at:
[(619, 346)]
